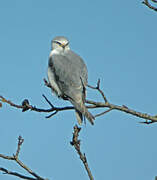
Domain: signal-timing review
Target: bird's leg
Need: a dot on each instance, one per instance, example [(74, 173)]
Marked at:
[(47, 83), (64, 97)]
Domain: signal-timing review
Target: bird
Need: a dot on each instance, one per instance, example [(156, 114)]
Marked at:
[(68, 76)]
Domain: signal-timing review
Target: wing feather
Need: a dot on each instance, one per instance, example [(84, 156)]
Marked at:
[(70, 71)]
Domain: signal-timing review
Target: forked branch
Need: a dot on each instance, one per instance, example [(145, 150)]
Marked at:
[(15, 158), (76, 143), (91, 105)]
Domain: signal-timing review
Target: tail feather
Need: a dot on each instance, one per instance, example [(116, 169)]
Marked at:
[(81, 111), (79, 117), (89, 116)]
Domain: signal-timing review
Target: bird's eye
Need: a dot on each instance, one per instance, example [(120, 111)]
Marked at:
[(58, 43)]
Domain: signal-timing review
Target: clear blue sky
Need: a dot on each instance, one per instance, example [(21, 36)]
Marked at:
[(117, 40)]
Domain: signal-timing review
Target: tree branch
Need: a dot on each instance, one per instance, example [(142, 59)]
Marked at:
[(149, 5), (92, 105), (76, 143), (98, 88), (16, 174), (16, 159)]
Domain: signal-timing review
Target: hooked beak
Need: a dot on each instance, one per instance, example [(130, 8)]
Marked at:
[(64, 45)]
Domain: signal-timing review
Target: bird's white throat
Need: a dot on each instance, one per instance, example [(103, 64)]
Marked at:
[(58, 51), (53, 52)]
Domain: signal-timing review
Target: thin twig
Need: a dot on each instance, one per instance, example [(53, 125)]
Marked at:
[(124, 109), (20, 142), (149, 5), (16, 159), (33, 108), (98, 88), (100, 114), (16, 174), (49, 116), (76, 143), (92, 105), (48, 101)]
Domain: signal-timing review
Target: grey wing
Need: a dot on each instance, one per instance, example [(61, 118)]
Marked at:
[(80, 64), (69, 73)]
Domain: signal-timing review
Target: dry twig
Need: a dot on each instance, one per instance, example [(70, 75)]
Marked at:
[(146, 2), (76, 143), (16, 159), (92, 105)]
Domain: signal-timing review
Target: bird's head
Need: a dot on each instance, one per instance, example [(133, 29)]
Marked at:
[(60, 43)]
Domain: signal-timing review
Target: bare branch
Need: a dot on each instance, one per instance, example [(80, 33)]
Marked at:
[(149, 5), (92, 105), (16, 159), (20, 141), (33, 108), (100, 114), (76, 143), (98, 88), (125, 109), (16, 174)]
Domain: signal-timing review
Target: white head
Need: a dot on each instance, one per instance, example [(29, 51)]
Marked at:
[(60, 43)]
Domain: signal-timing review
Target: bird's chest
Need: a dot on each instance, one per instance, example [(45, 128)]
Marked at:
[(52, 81)]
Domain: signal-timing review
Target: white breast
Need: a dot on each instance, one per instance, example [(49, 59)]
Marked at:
[(53, 52), (53, 83)]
